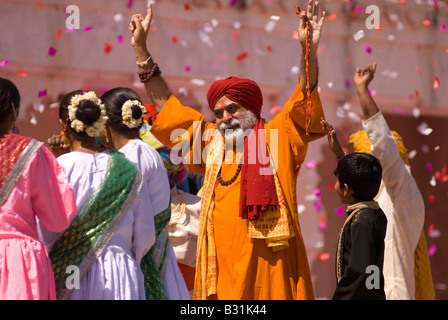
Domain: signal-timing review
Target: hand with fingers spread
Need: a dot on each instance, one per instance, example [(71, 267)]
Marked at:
[(315, 24), (363, 76), (333, 141)]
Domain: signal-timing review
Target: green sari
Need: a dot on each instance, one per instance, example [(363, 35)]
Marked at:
[(88, 235)]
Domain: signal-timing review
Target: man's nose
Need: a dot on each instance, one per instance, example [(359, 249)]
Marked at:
[(226, 116)]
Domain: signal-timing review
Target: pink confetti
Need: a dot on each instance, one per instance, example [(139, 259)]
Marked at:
[(347, 83), (52, 51), (340, 211), (89, 28), (317, 205), (426, 23), (274, 110), (432, 250), (130, 2), (443, 27), (188, 68), (70, 30), (317, 193), (311, 164), (368, 49), (429, 166), (3, 63), (120, 38), (323, 226), (42, 93)]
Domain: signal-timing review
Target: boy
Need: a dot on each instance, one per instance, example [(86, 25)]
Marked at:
[(360, 248)]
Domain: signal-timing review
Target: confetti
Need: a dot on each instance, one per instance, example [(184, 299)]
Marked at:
[(324, 257), (428, 166), (340, 211), (436, 83), (311, 164), (432, 250), (358, 35), (58, 37), (33, 119), (87, 29), (187, 68), (41, 5), (426, 23), (52, 51), (443, 27), (174, 39), (3, 63), (368, 49), (441, 175), (424, 129), (107, 48), (274, 110), (42, 93), (22, 74), (242, 56), (332, 16), (317, 205), (187, 7), (120, 38)]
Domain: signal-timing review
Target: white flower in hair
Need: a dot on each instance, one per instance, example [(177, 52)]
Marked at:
[(95, 128), (126, 114)]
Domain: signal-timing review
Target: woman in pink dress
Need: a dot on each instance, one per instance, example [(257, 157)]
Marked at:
[(33, 187)]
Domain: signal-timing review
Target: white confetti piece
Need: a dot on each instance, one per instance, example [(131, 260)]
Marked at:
[(424, 129), (358, 35)]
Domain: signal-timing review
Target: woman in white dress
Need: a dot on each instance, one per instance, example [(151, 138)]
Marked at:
[(125, 113), (98, 257)]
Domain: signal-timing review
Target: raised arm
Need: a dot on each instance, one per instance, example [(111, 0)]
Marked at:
[(156, 86), (333, 141), (363, 77), (315, 23)]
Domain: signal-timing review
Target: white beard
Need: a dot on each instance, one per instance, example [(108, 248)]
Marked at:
[(236, 130)]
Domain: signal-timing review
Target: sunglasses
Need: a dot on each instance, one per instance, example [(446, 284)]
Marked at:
[(230, 108)]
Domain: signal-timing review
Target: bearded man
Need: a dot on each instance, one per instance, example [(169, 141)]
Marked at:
[(250, 245)]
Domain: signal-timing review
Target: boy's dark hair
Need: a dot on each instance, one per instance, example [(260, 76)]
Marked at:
[(362, 172)]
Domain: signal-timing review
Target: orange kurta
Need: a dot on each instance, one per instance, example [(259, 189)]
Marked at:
[(246, 267)]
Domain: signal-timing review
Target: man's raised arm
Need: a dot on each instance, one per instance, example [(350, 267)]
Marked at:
[(155, 85), (315, 23)]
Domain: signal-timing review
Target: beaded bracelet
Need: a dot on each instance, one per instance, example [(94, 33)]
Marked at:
[(146, 75)]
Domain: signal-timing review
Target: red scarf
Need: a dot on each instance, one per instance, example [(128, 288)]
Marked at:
[(257, 191)]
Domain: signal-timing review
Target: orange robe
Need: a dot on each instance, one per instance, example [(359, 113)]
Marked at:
[(247, 268)]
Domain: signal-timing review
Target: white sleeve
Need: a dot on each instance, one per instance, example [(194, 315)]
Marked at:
[(400, 184)]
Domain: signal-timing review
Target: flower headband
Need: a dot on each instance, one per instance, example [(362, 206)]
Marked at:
[(126, 114), (94, 129)]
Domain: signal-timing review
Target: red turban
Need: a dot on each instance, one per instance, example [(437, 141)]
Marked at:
[(243, 91)]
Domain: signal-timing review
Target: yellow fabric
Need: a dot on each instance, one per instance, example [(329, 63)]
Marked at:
[(424, 285), (361, 143), (247, 268)]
